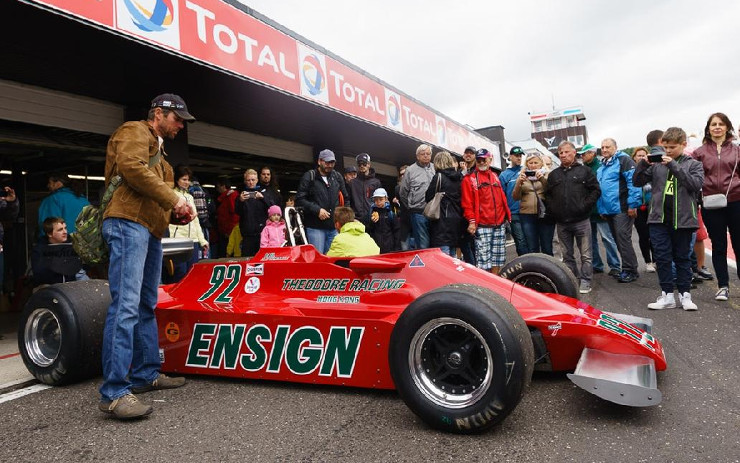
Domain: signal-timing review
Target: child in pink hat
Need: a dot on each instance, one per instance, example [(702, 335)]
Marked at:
[(273, 235)]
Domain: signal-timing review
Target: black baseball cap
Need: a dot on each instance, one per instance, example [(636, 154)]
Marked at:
[(174, 103), (516, 150), (471, 149)]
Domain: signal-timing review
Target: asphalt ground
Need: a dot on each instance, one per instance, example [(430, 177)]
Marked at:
[(212, 419)]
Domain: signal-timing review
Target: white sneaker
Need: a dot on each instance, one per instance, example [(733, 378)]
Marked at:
[(665, 301), (723, 294), (686, 301), (650, 267)]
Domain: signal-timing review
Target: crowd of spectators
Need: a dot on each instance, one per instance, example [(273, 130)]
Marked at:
[(593, 199)]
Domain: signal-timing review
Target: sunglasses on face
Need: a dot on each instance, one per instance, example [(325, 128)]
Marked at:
[(362, 163), (480, 159)]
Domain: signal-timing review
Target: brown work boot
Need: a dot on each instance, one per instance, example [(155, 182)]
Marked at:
[(125, 408), (161, 382)]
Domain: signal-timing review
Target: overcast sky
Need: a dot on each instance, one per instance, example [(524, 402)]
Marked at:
[(632, 65)]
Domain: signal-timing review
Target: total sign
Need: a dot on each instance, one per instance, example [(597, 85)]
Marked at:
[(155, 20)]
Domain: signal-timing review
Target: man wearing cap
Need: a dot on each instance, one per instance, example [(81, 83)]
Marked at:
[(485, 209), (350, 173), (469, 160), (508, 180), (412, 193), (467, 241), (320, 191), (361, 188), (134, 222), (570, 195), (599, 225)]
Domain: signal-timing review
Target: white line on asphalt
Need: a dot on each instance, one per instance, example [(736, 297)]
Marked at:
[(21, 392)]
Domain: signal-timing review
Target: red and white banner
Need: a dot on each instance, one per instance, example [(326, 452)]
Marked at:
[(214, 32)]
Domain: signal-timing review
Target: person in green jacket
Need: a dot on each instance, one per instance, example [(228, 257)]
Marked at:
[(352, 241)]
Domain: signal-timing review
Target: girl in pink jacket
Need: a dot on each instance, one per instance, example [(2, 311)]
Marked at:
[(273, 235)]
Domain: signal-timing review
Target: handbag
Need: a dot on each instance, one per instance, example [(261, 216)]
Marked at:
[(541, 209), (432, 209), (719, 200)]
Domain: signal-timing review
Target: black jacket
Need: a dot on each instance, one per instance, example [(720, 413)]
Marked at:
[(54, 263), (313, 195), (252, 213), (571, 193), (361, 190), (385, 231), (448, 230)]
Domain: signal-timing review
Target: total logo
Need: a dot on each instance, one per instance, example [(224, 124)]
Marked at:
[(313, 74), (157, 17), (441, 131), (156, 20), (393, 110)]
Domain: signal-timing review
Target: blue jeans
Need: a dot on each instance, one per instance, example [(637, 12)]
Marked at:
[(452, 252), (182, 268), (420, 230), (538, 232), (612, 257), (521, 243), (130, 345), (672, 247), (467, 248), (321, 238)]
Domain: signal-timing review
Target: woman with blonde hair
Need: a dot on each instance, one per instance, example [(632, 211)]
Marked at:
[(530, 191), (446, 232)]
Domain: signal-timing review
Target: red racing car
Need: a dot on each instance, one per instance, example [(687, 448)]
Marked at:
[(459, 344)]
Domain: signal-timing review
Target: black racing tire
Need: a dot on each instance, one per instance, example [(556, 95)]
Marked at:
[(461, 357), (60, 334), (542, 273)]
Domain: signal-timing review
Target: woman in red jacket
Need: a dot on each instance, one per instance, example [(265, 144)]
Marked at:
[(719, 156)]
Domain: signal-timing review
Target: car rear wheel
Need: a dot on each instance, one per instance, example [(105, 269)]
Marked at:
[(60, 334), (461, 357), (542, 273)]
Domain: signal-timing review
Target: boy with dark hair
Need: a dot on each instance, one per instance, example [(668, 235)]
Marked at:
[(654, 137), (352, 241), (676, 181)]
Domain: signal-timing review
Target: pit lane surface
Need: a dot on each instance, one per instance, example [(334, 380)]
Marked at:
[(213, 419)]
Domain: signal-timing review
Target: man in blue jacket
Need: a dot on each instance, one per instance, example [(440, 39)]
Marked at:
[(618, 203), (508, 180)]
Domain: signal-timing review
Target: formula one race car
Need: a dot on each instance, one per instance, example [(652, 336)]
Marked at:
[(459, 344)]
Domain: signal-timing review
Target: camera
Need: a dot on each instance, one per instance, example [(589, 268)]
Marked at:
[(655, 158), (3, 192), (531, 174), (179, 219)]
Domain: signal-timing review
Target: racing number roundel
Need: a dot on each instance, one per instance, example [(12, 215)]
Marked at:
[(172, 332)]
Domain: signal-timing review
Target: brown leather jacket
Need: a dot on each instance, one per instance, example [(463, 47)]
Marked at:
[(146, 195)]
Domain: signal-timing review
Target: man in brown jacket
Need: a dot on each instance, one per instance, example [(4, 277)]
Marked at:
[(134, 222)]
